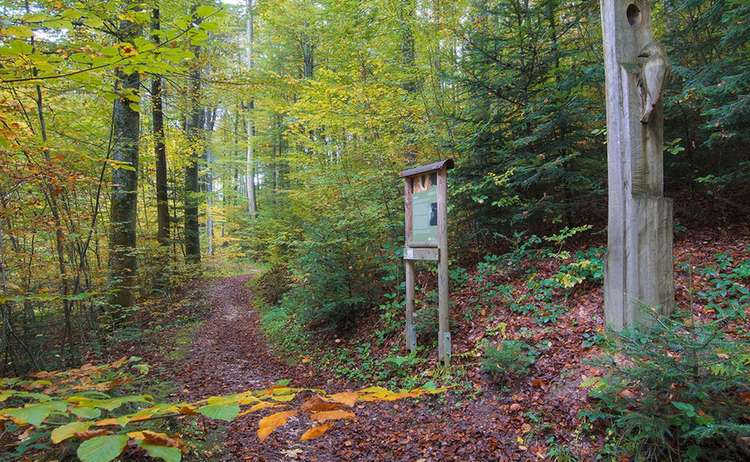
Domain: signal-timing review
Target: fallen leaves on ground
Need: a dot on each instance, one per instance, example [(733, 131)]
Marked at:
[(268, 424), (316, 431)]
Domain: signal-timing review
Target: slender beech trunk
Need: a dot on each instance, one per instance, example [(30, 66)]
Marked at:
[(160, 149), (408, 58), (210, 120), (194, 125), (252, 206)]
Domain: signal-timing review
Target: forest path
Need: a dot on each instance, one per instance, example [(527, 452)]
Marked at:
[(230, 354)]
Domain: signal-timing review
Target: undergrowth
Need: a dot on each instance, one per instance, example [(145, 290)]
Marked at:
[(679, 390)]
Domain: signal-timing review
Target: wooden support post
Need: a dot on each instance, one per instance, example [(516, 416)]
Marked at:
[(411, 333), (444, 339)]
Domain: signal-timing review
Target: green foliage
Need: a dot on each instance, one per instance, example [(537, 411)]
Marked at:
[(272, 284), (510, 359), (529, 125), (588, 266), (458, 276), (282, 327), (675, 391), (728, 292), (337, 280), (426, 323)]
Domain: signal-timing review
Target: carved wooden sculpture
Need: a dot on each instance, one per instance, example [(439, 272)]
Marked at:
[(639, 258)]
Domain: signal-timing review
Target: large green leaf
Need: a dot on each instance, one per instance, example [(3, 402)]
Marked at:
[(34, 414), (102, 448), (87, 412), (225, 412), (162, 452), (109, 404)]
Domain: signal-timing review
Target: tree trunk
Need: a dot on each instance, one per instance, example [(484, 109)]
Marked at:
[(160, 149), (193, 127), (252, 206), (210, 120), (124, 192)]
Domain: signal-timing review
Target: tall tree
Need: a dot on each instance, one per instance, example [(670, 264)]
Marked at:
[(193, 127), (252, 206), (124, 192), (160, 149)]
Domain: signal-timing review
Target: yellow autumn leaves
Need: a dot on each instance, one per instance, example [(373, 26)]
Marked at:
[(95, 418), (324, 409)]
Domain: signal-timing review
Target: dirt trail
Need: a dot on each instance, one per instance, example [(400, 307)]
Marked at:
[(230, 354)]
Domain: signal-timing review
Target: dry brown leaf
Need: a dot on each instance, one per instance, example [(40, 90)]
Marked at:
[(88, 434), (316, 431), (162, 439), (332, 415), (267, 425), (347, 398), (318, 404)]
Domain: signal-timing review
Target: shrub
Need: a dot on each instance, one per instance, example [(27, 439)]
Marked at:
[(273, 284), (512, 359), (281, 326), (339, 276), (675, 391)]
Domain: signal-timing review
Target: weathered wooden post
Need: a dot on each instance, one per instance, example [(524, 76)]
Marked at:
[(426, 232), (639, 259)]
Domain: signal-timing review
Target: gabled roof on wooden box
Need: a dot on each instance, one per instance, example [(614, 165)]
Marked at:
[(446, 163)]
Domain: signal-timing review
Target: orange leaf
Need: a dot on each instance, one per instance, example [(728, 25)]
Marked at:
[(117, 363), (332, 415), (347, 398), (316, 431), (186, 410), (258, 407), (267, 425), (107, 422)]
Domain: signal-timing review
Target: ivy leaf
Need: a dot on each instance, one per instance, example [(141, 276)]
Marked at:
[(226, 412), (102, 448)]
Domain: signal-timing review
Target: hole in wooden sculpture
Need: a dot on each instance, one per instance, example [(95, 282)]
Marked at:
[(634, 14)]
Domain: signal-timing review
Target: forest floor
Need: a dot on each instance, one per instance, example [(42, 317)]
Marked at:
[(221, 348), (229, 354)]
